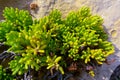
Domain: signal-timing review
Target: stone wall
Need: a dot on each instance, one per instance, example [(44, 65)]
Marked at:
[(108, 9)]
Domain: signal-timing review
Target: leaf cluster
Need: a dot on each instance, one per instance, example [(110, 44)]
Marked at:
[(15, 20), (54, 42), (4, 75)]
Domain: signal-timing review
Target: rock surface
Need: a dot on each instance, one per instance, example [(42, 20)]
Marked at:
[(108, 9)]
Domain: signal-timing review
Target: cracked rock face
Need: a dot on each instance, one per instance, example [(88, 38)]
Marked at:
[(108, 9)]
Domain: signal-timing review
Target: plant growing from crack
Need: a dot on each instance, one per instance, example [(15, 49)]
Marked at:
[(54, 42)]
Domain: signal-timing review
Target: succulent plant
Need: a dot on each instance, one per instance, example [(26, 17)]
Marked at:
[(53, 42), (15, 20)]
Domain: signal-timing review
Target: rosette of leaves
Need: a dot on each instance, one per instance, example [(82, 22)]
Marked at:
[(29, 47), (53, 63)]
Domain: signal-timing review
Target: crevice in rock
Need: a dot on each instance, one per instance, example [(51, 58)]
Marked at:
[(116, 74)]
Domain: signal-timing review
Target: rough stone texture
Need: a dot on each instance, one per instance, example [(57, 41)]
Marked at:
[(116, 74), (108, 9)]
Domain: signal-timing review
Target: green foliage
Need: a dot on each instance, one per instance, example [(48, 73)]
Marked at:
[(52, 40), (53, 63), (16, 67), (30, 48), (15, 20), (4, 75)]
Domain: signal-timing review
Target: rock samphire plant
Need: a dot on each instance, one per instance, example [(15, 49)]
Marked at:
[(54, 45)]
